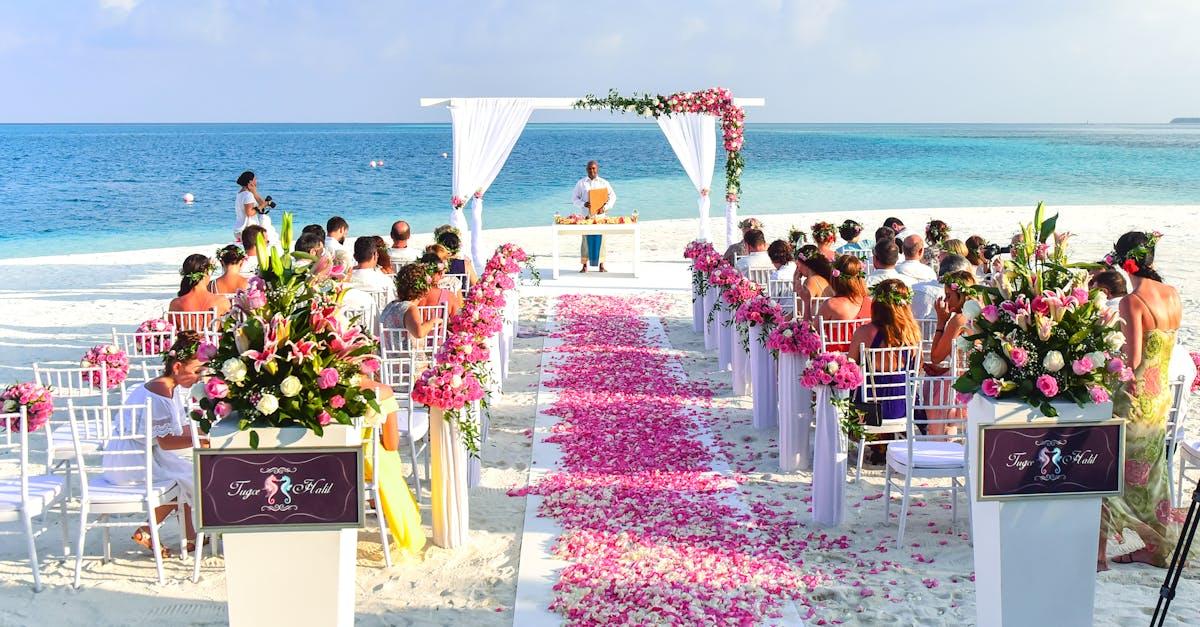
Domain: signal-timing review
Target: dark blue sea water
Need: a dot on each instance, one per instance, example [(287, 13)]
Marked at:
[(71, 188)]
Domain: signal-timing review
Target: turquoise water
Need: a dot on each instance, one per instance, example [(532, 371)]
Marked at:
[(73, 188)]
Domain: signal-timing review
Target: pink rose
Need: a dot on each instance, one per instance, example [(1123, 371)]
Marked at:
[(963, 397), (327, 378), (206, 351), (991, 313), (216, 388), (1019, 356), (1115, 364), (369, 366), (337, 402), (1136, 473), (1047, 385), (222, 409), (324, 418), (1099, 394), (991, 387), (1083, 365)]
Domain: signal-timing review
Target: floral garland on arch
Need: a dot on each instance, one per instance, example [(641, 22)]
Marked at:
[(717, 101)]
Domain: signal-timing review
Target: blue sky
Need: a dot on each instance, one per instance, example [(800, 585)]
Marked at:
[(814, 60)]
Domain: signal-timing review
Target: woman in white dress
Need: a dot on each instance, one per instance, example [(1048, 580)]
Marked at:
[(248, 208), (168, 395)]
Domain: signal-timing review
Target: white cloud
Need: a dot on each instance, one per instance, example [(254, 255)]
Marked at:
[(119, 6)]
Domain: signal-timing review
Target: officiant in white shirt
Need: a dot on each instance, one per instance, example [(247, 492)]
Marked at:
[(591, 250)]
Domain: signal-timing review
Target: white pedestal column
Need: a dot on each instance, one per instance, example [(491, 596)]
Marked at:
[(508, 331), (725, 340), (1011, 537), (448, 482), (256, 562), (698, 312), (763, 376), (495, 376), (475, 464), (795, 415), (739, 363), (711, 328), (829, 462)]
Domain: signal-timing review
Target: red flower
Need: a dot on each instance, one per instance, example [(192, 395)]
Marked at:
[(1130, 266)]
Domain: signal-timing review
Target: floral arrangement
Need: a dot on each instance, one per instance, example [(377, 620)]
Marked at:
[(888, 295), (37, 401), (797, 237), (287, 356), (694, 252), (842, 374), (795, 337), (1196, 380), (824, 232), (112, 359), (757, 310), (716, 102), (575, 218), (1038, 335), (457, 202), (151, 336), (459, 374), (750, 223)]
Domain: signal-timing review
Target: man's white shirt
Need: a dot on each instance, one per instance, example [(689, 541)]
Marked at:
[(372, 280), (586, 185), (925, 294), (402, 256), (917, 270), (756, 260), (880, 275)]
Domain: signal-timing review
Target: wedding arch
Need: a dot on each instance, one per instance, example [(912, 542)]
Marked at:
[(485, 130)]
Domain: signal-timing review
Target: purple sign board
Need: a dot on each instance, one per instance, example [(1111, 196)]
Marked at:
[(303, 489), (1051, 460)]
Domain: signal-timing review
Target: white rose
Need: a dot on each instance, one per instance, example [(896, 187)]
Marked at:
[(832, 367), (456, 381), (1115, 340), (1099, 300), (290, 386), (971, 309), (267, 404), (111, 349), (1053, 362), (963, 344), (995, 365), (355, 381), (85, 364), (787, 333), (1098, 359), (234, 370)]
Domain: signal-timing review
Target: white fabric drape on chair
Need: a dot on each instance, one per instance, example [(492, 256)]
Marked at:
[(485, 131), (693, 137)]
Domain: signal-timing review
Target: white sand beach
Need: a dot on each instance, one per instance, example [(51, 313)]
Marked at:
[(57, 307)]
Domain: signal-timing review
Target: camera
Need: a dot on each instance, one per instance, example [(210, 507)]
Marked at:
[(267, 206), (991, 250)]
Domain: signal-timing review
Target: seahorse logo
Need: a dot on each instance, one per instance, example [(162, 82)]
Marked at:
[(1050, 455), (285, 488), (271, 486)]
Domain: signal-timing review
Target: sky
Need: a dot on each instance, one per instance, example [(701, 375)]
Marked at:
[(813, 60)]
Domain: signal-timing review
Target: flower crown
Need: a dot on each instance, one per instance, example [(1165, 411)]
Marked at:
[(823, 232), (236, 251), (936, 232), (196, 276), (183, 354), (851, 225), (800, 255), (446, 228), (796, 236), (957, 284), (838, 273), (750, 223), (1135, 258), (888, 296)]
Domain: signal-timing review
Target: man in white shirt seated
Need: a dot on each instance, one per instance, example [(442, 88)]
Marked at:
[(884, 259), (400, 252), (914, 250), (756, 253), (780, 253), (926, 293), (250, 237), (366, 274), (336, 229)]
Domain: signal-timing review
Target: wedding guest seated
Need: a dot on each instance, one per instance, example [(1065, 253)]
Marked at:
[(936, 233), (1113, 284), (851, 231), (850, 300), (898, 228), (315, 229), (892, 325), (336, 230), (780, 253), (975, 245), (449, 238), (310, 243), (913, 265), (739, 249), (170, 424), (366, 274), (951, 247), (926, 293), (812, 278), (824, 236), (884, 259), (438, 294), (951, 323), (250, 236), (400, 252), (412, 282), (385, 261), (756, 253), (231, 280), (883, 234), (194, 288)]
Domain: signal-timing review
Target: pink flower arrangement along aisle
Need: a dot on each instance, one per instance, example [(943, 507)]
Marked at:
[(454, 387), (755, 318), (735, 291), (831, 377), (111, 360), (795, 342), (37, 400), (651, 534), (705, 259)]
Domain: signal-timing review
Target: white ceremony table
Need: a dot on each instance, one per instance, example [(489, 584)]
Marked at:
[(558, 230)]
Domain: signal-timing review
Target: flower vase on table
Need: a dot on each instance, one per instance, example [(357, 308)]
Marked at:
[(831, 376), (795, 341), (1043, 357), (756, 317)]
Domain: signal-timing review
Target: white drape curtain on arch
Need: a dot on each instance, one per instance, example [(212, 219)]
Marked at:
[(693, 137), (485, 131)]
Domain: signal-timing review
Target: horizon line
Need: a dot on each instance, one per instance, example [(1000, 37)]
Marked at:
[(597, 123)]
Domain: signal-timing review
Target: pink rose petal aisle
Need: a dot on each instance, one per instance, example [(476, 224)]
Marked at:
[(652, 534)]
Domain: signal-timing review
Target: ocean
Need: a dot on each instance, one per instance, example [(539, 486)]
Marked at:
[(111, 187)]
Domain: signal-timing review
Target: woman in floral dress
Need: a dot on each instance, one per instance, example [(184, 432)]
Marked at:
[(1151, 315)]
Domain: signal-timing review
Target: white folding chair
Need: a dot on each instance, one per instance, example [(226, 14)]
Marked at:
[(809, 310), (865, 256), (400, 374), (198, 554), (457, 282), (1176, 438), (889, 375), (127, 450), (202, 322), (29, 495), (372, 496), (381, 298), (80, 385), (783, 293), (143, 348), (836, 334), (441, 313), (759, 276), (925, 455), (928, 330)]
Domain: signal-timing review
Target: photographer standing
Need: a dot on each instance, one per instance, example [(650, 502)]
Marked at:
[(251, 208)]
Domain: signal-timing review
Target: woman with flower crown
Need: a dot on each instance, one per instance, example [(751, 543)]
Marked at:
[(231, 257), (950, 325), (170, 425), (824, 235), (413, 281), (1151, 314), (850, 300), (738, 248), (811, 279), (194, 288)]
